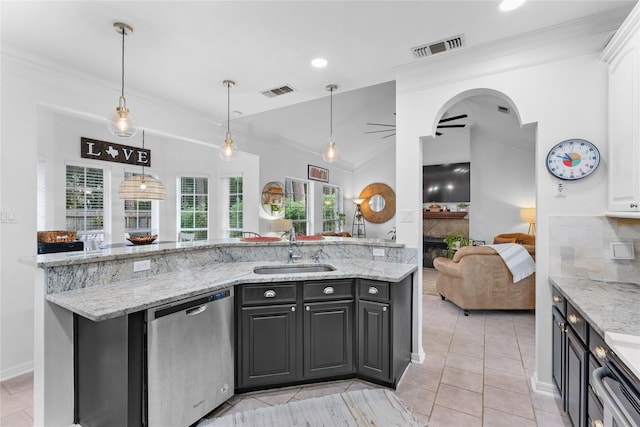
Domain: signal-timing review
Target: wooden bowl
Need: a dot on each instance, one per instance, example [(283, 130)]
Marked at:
[(142, 240)]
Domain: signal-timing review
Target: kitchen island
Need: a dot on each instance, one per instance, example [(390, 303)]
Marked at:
[(108, 284)]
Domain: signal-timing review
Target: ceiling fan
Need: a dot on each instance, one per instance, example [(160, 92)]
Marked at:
[(450, 119), (392, 128)]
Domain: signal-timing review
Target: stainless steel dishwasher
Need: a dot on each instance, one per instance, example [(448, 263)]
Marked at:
[(189, 358)]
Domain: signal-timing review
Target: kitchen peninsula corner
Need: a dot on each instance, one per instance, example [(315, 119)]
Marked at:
[(102, 285)]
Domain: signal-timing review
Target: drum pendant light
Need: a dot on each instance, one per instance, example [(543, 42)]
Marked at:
[(142, 187), (121, 123), (228, 150), (331, 152)]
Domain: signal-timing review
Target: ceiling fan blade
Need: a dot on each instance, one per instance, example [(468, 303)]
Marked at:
[(380, 124), (450, 126), (461, 116), (387, 136), (384, 130)]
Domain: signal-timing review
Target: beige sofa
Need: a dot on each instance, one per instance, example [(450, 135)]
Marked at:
[(478, 279)]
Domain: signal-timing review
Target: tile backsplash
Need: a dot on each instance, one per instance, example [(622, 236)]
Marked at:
[(579, 246)]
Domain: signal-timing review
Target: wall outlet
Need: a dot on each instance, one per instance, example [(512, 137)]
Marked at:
[(378, 251), (621, 250), (141, 265)]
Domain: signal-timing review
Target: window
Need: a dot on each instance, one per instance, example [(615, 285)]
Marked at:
[(232, 215), (85, 200), (193, 194), (138, 214), (296, 201), (332, 216)]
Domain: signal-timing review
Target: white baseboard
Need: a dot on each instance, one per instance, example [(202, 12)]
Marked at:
[(16, 371), (417, 357), (543, 387)]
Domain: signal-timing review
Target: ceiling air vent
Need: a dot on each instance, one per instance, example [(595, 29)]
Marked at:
[(502, 109), (277, 91), (445, 45)]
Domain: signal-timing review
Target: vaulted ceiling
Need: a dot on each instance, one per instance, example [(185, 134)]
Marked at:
[(181, 52)]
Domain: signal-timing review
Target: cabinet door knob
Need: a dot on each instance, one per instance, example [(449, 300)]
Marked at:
[(270, 293), (600, 352), (328, 290), (572, 318), (308, 308), (373, 290), (384, 308), (293, 309), (597, 423), (557, 298)]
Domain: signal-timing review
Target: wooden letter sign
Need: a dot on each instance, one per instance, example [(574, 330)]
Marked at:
[(110, 152)]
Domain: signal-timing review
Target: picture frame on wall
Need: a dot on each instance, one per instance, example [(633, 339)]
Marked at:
[(317, 173)]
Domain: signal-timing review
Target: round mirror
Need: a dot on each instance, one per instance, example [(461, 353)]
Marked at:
[(380, 203), (376, 203)]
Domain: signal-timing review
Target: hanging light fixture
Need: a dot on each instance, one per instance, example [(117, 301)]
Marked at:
[(228, 150), (142, 187), (121, 122), (331, 152)]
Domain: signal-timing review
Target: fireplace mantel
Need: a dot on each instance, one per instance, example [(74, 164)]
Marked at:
[(443, 215)]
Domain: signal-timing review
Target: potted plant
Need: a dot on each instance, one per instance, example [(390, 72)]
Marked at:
[(454, 242)]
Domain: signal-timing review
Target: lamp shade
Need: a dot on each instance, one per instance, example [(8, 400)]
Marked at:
[(142, 187), (358, 201), (528, 215)]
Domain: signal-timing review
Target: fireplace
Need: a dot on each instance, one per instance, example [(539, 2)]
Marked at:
[(432, 247)]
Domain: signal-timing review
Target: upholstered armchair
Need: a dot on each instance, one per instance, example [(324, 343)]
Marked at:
[(478, 279)]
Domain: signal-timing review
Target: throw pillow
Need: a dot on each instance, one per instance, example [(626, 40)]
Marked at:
[(497, 240)]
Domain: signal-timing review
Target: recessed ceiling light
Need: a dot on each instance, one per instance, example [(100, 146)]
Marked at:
[(319, 62), (507, 5)]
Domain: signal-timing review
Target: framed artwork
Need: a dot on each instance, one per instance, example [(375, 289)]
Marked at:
[(318, 174)]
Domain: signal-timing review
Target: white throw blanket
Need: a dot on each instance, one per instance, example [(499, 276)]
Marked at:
[(517, 259)]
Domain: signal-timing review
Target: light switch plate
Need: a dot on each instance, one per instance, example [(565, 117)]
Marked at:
[(141, 265), (621, 250)]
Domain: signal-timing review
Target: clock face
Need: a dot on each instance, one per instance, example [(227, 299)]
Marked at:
[(573, 159)]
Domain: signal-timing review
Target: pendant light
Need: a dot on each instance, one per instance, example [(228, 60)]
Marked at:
[(121, 122), (142, 187), (331, 152), (228, 150)]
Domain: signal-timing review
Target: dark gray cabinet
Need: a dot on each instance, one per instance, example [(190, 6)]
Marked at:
[(328, 339), (577, 349), (295, 332), (374, 336)]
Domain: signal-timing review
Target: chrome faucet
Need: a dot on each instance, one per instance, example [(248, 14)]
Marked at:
[(292, 243)]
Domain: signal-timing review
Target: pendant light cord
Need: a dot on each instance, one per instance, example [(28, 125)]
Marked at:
[(122, 88), (331, 116), (143, 149), (228, 104)]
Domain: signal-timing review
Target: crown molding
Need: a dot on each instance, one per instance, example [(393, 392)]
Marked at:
[(629, 28)]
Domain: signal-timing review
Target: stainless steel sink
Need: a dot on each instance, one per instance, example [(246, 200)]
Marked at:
[(293, 268)]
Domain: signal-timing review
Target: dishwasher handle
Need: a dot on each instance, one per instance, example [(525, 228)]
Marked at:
[(195, 311), (606, 396)]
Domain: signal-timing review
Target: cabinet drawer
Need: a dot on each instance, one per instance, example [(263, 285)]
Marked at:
[(271, 293), (577, 323), (373, 291), (597, 346), (328, 290), (559, 301)]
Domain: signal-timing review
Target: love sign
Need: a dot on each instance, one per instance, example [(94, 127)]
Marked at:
[(111, 152)]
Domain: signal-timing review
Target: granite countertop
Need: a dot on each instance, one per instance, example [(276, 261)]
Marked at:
[(607, 306), (612, 309), (121, 298)]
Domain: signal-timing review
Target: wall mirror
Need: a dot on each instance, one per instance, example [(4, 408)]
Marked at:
[(379, 203), (273, 199)]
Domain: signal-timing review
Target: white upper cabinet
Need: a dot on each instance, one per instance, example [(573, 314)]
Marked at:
[(623, 56)]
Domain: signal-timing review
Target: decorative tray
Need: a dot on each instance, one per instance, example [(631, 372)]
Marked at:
[(142, 240)]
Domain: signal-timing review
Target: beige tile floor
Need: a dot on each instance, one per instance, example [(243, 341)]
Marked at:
[(476, 373)]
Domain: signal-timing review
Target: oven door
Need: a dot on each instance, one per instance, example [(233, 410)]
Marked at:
[(621, 404)]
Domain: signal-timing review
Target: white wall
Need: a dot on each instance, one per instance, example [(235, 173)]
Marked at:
[(47, 107), (567, 98), (380, 169)]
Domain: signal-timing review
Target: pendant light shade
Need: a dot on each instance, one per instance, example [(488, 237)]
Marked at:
[(228, 150), (121, 122), (142, 187), (331, 153)]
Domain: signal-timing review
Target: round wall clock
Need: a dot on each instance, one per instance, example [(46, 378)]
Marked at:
[(573, 159)]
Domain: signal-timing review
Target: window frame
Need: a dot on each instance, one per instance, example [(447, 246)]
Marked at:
[(101, 234), (307, 221), (225, 206), (196, 230), (335, 212), (154, 217)]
